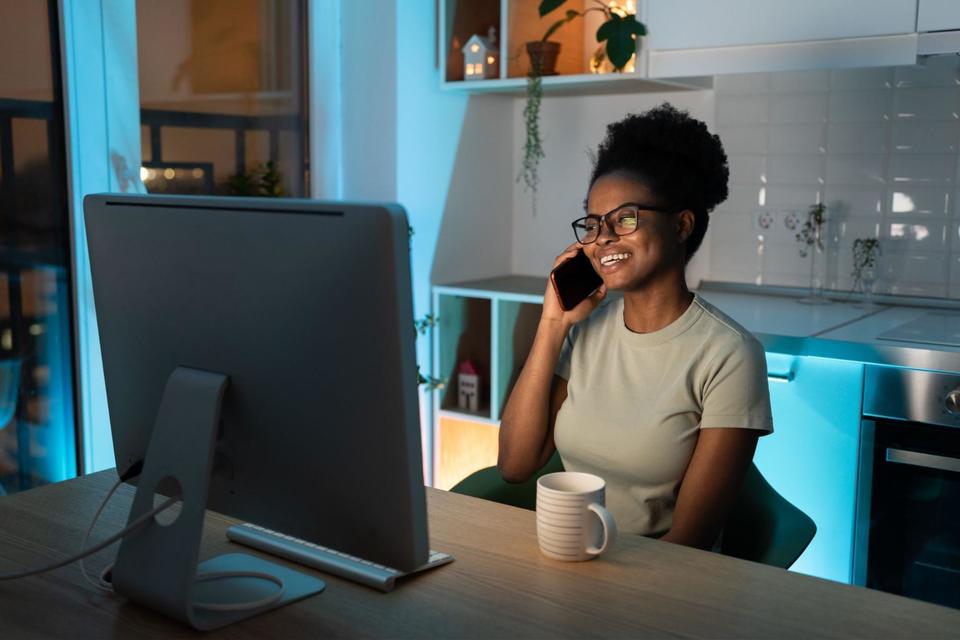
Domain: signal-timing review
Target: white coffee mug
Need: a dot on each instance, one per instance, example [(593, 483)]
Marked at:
[(572, 522)]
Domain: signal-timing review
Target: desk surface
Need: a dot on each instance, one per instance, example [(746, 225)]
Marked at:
[(500, 586)]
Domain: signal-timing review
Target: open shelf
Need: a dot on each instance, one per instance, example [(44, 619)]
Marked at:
[(517, 22), (463, 332), (493, 323)]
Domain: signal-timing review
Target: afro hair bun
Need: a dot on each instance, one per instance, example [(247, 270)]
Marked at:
[(674, 155)]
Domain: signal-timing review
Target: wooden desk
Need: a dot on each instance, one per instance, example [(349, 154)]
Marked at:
[(500, 586)]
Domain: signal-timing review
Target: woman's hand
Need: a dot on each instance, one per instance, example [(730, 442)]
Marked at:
[(553, 312)]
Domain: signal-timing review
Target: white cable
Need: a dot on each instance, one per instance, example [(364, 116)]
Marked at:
[(102, 584), (105, 585), (92, 550)]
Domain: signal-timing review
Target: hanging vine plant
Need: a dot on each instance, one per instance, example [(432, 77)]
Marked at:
[(618, 37)]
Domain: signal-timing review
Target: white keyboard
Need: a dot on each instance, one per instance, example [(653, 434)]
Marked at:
[(325, 559)]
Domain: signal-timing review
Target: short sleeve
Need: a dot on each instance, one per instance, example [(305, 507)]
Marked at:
[(736, 395), (564, 362)]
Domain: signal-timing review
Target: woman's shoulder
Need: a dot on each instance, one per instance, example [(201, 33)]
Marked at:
[(725, 329)]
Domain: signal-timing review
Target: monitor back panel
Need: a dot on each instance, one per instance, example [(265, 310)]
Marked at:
[(306, 306)]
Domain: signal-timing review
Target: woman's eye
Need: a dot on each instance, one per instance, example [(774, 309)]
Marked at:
[(628, 222)]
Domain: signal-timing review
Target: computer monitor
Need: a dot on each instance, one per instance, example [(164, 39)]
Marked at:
[(306, 307)]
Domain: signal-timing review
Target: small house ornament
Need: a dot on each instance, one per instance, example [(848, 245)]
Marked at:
[(481, 57), (468, 396)]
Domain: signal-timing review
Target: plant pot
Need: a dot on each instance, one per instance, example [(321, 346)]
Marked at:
[(543, 56)]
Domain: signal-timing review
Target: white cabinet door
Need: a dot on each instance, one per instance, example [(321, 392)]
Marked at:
[(938, 15), (695, 24), (811, 458)]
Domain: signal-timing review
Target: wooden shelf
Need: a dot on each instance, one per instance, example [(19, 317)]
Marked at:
[(582, 84)]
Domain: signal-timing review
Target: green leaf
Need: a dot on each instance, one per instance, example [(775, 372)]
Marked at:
[(620, 33), (546, 6)]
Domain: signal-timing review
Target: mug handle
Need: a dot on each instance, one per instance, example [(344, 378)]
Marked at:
[(609, 528)]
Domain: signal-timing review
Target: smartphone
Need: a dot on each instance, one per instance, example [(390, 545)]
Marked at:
[(574, 280)]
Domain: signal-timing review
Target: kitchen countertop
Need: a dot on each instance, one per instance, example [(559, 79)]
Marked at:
[(841, 330)]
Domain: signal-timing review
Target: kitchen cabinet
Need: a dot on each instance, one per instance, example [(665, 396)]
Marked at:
[(938, 22), (696, 24), (811, 458), (698, 37), (516, 22), (938, 15)]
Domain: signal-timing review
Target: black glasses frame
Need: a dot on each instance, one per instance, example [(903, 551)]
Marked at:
[(605, 220)]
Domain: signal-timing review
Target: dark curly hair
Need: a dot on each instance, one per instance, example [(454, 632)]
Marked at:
[(674, 156)]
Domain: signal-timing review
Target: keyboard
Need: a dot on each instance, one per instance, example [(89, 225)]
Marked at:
[(325, 559)]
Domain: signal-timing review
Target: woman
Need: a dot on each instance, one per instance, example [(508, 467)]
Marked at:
[(659, 393)]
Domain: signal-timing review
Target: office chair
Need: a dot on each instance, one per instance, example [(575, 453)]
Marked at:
[(9, 390), (762, 526)]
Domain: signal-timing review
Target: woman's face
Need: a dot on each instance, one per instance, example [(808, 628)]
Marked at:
[(631, 261)]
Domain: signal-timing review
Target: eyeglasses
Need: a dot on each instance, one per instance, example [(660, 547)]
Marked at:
[(623, 221)]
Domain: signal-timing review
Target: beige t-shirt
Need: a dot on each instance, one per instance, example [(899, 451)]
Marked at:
[(636, 402)]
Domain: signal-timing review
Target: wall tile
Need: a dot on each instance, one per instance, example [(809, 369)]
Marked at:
[(743, 139), (748, 169), (912, 267), (937, 71), (737, 263), (954, 275), (912, 234), (742, 110), (742, 197), (922, 169), (731, 229), (855, 169), (859, 79), (795, 169), (797, 138), (909, 199), (793, 196), (925, 137), (856, 201), (860, 106), (927, 104), (799, 81), (798, 107), (857, 138), (879, 146)]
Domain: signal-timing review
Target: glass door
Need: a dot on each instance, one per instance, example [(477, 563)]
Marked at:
[(914, 534), (38, 436)]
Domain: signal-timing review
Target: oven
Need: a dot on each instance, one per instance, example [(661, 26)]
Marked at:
[(907, 532)]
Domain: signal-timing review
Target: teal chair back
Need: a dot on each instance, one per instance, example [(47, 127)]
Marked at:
[(762, 526)]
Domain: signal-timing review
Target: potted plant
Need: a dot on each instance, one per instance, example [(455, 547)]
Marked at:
[(619, 31)]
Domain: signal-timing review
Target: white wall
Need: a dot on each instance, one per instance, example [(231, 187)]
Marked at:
[(572, 128), (878, 146)]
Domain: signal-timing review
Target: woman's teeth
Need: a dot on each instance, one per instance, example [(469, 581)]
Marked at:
[(612, 258)]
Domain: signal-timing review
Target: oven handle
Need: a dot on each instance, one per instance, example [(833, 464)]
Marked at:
[(926, 460)]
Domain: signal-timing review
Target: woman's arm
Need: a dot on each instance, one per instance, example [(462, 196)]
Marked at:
[(526, 428), (710, 485)]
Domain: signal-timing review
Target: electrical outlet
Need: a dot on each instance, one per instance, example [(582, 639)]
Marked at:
[(764, 221)]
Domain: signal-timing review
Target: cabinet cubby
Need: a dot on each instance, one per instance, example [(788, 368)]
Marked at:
[(492, 323)]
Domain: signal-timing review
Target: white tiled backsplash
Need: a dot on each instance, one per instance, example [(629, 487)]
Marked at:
[(878, 146)]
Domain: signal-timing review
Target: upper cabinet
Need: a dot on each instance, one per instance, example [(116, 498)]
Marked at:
[(696, 37), (938, 22), (938, 15), (697, 24)]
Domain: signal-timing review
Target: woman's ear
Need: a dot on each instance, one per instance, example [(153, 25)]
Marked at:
[(685, 223)]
